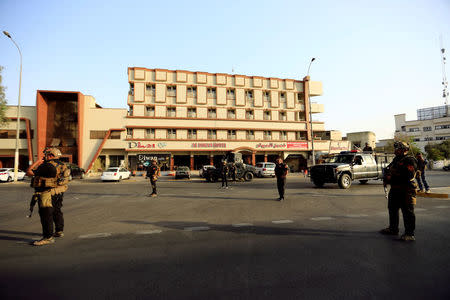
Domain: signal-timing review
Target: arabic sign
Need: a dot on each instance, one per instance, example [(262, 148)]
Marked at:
[(208, 145), (270, 145), (297, 145)]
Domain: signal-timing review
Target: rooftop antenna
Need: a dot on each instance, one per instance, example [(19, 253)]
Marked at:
[(445, 92)]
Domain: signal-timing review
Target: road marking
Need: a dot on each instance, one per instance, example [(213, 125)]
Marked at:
[(322, 218), (356, 216), (420, 209), (282, 221), (94, 235), (197, 228), (442, 206), (242, 224), (196, 193), (148, 231)]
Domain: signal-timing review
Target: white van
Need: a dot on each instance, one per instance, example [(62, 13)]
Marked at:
[(265, 169)]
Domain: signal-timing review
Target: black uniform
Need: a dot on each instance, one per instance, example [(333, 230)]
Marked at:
[(233, 172), (224, 172), (152, 173), (421, 164), (281, 171), (402, 195), (54, 214)]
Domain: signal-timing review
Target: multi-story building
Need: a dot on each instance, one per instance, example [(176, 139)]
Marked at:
[(178, 117), (432, 125)]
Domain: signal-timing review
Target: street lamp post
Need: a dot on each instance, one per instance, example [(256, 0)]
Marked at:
[(16, 154), (310, 117)]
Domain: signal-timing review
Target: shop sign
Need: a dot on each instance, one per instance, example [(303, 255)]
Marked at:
[(297, 145), (270, 145), (208, 145), (146, 158), (139, 145)]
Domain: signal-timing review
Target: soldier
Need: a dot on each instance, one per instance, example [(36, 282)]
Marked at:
[(400, 174), (224, 172), (233, 171), (421, 165), (50, 181), (281, 171), (153, 172), (368, 148)]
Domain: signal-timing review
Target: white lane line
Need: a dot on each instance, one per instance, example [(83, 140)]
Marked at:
[(148, 231), (322, 218), (94, 235), (442, 206), (282, 221), (195, 193), (356, 216), (197, 228), (242, 224), (420, 209)]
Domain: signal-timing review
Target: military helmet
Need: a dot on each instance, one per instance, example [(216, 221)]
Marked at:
[(401, 145), (53, 151)]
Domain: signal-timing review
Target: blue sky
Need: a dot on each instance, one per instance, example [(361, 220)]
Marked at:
[(375, 58)]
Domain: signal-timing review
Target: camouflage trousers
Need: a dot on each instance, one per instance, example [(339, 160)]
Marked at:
[(401, 199), (50, 215)]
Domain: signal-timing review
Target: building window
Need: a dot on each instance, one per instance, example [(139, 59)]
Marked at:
[(171, 91), (414, 129), (249, 95), (130, 111), (131, 91), (212, 134), (300, 135), (171, 112), (267, 135), (427, 128), (231, 114), (172, 134), (283, 116), (283, 135), (150, 133), (266, 95), (230, 94), (403, 128), (301, 116), (192, 91), (150, 111), (11, 134), (212, 114), (192, 134), (250, 134), (150, 89), (416, 140), (429, 138), (231, 134), (440, 138), (129, 133), (211, 92), (282, 97), (192, 112), (300, 98), (249, 115), (437, 127), (267, 115)]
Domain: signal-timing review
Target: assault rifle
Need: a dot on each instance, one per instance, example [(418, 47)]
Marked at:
[(33, 201)]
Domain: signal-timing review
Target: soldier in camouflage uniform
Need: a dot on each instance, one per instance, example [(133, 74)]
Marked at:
[(50, 181), (400, 175), (153, 172)]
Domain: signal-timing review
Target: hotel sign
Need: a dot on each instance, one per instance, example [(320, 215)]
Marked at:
[(209, 145)]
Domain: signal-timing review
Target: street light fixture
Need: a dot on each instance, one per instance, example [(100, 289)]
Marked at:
[(16, 154), (310, 116)]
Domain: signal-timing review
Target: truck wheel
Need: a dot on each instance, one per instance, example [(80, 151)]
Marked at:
[(363, 181), (345, 181), (248, 176), (259, 175), (318, 183)]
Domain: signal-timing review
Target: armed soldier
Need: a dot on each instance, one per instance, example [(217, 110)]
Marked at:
[(400, 175), (153, 172), (281, 171), (224, 173), (50, 181)]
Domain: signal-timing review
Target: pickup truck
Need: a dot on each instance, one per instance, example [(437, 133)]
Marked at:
[(348, 166)]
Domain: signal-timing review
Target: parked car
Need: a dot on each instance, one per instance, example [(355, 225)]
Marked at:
[(7, 174), (265, 169), (183, 172), (204, 169), (115, 174), (75, 171)]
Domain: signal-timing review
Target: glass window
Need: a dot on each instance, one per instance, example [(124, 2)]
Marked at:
[(267, 135), (171, 112), (249, 115), (250, 134), (267, 115), (211, 92), (192, 134), (231, 114), (150, 133), (212, 113), (172, 134), (171, 90), (283, 135), (150, 111), (192, 112), (212, 134), (150, 89), (230, 94), (192, 91), (231, 134)]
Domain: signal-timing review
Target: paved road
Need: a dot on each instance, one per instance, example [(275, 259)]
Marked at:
[(196, 241)]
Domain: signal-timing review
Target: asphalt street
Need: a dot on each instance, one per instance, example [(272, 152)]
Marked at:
[(197, 241)]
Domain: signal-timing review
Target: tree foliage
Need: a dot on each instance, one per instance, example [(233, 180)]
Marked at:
[(2, 100), (438, 151), (389, 148)]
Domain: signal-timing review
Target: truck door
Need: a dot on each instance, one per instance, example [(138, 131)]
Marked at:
[(359, 167), (371, 166)]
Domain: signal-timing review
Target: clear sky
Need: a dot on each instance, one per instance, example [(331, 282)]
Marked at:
[(375, 58)]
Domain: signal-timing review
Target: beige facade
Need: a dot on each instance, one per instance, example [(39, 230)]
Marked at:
[(431, 127), (359, 139)]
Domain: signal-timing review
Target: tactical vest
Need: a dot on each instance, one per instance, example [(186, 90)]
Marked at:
[(59, 183)]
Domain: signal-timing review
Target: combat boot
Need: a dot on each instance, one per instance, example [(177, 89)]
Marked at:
[(407, 238), (388, 231), (58, 234), (44, 241)]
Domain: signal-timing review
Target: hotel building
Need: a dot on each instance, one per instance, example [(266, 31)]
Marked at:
[(178, 117)]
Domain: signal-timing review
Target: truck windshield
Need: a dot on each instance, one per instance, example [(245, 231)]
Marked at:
[(346, 159)]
